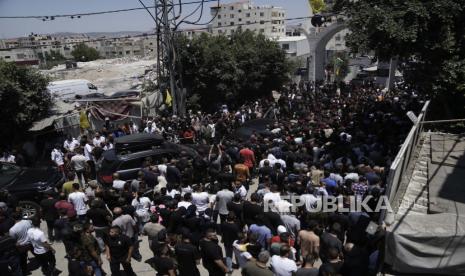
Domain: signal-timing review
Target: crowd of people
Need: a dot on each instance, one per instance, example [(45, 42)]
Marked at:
[(323, 142)]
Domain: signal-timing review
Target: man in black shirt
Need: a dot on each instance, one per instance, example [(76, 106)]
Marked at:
[(328, 241), (230, 232), (212, 255), (49, 213), (100, 217), (119, 250), (253, 209), (188, 257)]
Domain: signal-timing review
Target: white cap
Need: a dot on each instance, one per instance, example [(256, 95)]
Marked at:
[(281, 229), (247, 255)]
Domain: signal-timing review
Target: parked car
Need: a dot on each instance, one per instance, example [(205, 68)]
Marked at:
[(29, 185), (131, 151)]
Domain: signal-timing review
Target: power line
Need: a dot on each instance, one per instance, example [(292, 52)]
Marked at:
[(152, 34), (78, 15)]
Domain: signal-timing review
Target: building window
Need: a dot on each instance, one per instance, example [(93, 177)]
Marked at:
[(262, 22), (247, 14), (20, 56), (248, 22), (232, 16), (338, 38), (219, 24), (231, 8), (285, 46), (231, 23), (239, 11), (219, 16), (7, 57), (262, 30), (275, 14), (262, 14)]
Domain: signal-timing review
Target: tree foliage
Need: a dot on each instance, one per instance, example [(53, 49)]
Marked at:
[(317, 5), (428, 37), (231, 70), (82, 52), (23, 100)]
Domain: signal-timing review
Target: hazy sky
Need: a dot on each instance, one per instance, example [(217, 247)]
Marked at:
[(125, 21)]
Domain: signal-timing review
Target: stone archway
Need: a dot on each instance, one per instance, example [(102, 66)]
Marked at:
[(317, 43)]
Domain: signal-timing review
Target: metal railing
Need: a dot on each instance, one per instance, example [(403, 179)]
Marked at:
[(401, 168)]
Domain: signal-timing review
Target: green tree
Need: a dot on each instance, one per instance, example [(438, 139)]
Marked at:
[(82, 52), (23, 100), (220, 69), (427, 36), (317, 5)]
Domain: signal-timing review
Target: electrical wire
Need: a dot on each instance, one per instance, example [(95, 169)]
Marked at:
[(211, 20), (192, 13), (77, 15), (145, 7)]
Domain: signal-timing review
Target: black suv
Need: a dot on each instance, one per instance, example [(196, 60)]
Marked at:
[(28, 185), (131, 151)]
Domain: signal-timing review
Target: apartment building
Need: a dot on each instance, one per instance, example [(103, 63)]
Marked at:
[(267, 20)]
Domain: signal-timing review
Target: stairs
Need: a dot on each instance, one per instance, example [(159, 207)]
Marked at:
[(416, 196)]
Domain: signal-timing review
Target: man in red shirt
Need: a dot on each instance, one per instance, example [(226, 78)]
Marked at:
[(64, 204), (248, 156)]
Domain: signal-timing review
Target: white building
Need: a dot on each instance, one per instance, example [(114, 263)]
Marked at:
[(268, 20), (19, 56)]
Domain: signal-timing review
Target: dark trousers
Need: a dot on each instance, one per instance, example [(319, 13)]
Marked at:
[(50, 226), (92, 173), (115, 271), (23, 250), (47, 262)]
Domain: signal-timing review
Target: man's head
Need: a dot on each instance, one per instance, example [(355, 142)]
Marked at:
[(211, 235), (117, 211), (70, 176), (263, 257), (266, 163), (309, 260), (114, 231), (284, 251), (35, 222), (76, 186), (154, 218), (115, 176)]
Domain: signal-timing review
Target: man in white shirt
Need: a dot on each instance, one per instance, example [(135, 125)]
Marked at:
[(78, 163), (42, 249), (118, 184), (57, 157), (240, 189), (88, 148), (98, 140), (79, 201), (70, 144), (200, 199), (282, 265), (19, 232), (273, 196)]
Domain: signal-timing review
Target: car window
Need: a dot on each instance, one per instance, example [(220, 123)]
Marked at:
[(131, 164)]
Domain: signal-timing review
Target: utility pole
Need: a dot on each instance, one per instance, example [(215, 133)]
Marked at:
[(166, 54)]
